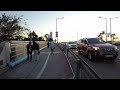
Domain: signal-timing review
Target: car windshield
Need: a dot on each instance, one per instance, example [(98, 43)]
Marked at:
[(71, 42), (95, 40)]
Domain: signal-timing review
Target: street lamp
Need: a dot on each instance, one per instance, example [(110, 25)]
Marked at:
[(110, 27), (106, 26), (56, 28)]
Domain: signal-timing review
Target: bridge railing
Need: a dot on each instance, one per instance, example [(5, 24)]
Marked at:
[(18, 49), (81, 69)]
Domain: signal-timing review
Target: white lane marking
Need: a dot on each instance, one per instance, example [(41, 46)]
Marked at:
[(58, 52), (43, 47), (118, 58), (43, 68), (75, 51), (49, 52)]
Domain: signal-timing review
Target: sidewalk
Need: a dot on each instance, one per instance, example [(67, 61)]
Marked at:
[(49, 66)]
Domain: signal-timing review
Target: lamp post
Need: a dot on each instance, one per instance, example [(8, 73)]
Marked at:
[(106, 26), (110, 28), (56, 29)]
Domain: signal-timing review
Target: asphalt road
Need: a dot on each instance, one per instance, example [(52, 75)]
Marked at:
[(49, 66), (105, 68)]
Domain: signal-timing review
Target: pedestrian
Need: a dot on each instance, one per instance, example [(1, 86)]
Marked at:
[(48, 44), (35, 49), (52, 46), (29, 51)]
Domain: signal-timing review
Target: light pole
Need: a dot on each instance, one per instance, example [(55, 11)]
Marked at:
[(56, 29), (110, 28), (106, 26)]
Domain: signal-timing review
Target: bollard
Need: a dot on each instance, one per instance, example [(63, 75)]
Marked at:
[(78, 68)]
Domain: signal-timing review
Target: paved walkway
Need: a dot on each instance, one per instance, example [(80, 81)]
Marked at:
[(49, 66)]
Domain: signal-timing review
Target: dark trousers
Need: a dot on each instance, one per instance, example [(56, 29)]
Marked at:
[(52, 49), (29, 55)]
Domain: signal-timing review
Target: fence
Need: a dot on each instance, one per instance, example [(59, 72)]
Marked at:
[(81, 69), (18, 49)]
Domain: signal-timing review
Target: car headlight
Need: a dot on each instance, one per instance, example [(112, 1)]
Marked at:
[(96, 48), (115, 47)]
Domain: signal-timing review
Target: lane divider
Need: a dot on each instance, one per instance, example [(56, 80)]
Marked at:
[(43, 68)]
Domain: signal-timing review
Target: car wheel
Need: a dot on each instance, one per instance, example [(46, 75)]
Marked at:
[(90, 56), (113, 59)]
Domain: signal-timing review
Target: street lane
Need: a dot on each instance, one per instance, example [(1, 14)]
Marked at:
[(105, 68)]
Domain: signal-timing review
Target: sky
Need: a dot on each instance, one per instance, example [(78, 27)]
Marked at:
[(74, 26)]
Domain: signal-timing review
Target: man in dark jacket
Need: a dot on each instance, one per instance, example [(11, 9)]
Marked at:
[(29, 51), (35, 49)]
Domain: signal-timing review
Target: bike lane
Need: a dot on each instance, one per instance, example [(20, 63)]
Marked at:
[(57, 67)]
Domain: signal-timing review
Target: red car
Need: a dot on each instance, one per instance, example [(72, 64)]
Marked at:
[(95, 48)]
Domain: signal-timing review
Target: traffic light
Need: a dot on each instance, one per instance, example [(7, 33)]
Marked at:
[(56, 34)]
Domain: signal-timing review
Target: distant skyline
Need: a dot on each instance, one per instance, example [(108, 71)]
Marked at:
[(74, 22)]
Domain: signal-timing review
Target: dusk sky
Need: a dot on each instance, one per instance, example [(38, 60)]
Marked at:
[(86, 22)]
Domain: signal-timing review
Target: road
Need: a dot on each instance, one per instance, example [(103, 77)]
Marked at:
[(105, 69), (49, 66)]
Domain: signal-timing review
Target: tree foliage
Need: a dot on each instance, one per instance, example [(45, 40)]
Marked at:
[(101, 34), (41, 39), (47, 37), (11, 28), (33, 36)]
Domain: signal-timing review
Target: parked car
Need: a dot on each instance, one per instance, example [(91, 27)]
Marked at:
[(71, 45), (116, 43), (95, 48)]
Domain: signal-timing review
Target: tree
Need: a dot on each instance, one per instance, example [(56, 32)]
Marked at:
[(33, 36), (26, 39), (10, 27), (101, 34), (41, 39), (113, 36), (46, 36)]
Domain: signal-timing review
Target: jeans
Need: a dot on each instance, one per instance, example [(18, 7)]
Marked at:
[(35, 55)]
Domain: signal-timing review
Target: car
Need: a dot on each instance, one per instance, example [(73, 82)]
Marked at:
[(116, 43), (96, 48), (71, 45)]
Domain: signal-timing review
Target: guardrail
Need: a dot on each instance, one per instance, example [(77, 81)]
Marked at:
[(81, 69), (18, 49)]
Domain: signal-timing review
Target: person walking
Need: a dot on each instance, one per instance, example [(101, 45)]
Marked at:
[(29, 51), (52, 46), (35, 49), (48, 44)]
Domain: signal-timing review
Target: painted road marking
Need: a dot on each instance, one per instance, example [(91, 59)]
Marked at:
[(49, 52), (43, 47), (75, 51), (118, 58), (43, 68)]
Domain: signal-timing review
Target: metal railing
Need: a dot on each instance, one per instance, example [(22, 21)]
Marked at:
[(18, 49), (81, 69)]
